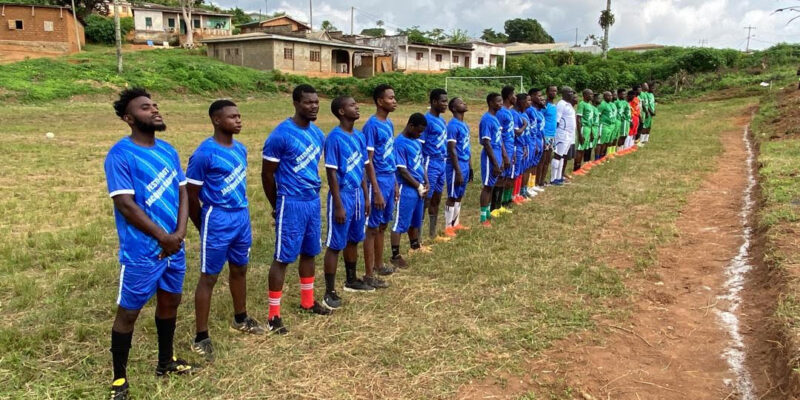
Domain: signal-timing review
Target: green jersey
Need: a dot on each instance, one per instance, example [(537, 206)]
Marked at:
[(623, 110), (596, 117), (608, 113), (586, 112)]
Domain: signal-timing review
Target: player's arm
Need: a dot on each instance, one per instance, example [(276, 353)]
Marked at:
[(506, 161), (268, 169), (366, 194), (183, 212), (405, 175), (193, 192), (369, 168), (333, 183), (487, 147), (579, 127), (170, 244), (521, 129), (453, 158)]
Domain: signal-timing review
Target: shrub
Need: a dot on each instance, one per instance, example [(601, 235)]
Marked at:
[(100, 29)]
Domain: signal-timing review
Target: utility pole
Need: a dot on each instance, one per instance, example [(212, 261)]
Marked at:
[(749, 29), (352, 14), (118, 36), (266, 7), (311, 14), (75, 20), (576, 37)]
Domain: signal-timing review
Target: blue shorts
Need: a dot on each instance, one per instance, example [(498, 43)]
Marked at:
[(377, 217), (435, 168), (454, 191), (409, 210), (510, 152), (352, 230), (297, 228), (520, 164), (139, 282), (225, 235), (486, 167)]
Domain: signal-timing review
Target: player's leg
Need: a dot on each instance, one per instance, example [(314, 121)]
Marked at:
[(168, 298), (137, 284), (238, 260), (415, 225), (401, 223), (276, 278), (311, 228)]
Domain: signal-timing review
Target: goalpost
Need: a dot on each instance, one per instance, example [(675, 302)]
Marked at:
[(477, 87)]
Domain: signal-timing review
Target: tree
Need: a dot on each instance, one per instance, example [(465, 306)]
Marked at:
[(491, 36), (239, 16), (606, 20), (100, 29), (457, 36), (437, 35), (415, 35), (379, 23), (374, 32), (187, 7), (526, 30), (593, 39), (328, 26)]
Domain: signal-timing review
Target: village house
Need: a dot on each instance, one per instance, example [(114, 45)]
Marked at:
[(158, 24), (419, 57), (30, 28), (312, 53), (281, 25)]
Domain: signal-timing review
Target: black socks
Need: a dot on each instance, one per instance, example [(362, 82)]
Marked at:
[(166, 334), (120, 348), (395, 251), (350, 271)]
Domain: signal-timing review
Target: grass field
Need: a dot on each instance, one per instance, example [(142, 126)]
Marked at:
[(486, 302)]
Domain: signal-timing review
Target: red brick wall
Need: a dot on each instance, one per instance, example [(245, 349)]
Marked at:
[(33, 20)]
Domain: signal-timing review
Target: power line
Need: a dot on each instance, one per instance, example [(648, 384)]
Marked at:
[(749, 30)]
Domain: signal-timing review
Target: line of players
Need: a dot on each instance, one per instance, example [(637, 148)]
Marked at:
[(376, 180)]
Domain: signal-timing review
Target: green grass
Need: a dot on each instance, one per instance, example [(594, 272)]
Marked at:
[(479, 305)]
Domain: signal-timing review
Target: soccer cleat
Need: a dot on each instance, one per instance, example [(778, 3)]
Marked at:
[(495, 213), (375, 282), (249, 325), (578, 172), (460, 227), (517, 200), (487, 224), (384, 270), (504, 210), (538, 189), (421, 249), (316, 308), (440, 239), (275, 325), (399, 262), (204, 348), (450, 231), (331, 301), (557, 182), (119, 389), (176, 366), (358, 286)]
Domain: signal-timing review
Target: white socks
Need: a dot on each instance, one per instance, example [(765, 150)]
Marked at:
[(555, 169), (448, 215), (457, 213)]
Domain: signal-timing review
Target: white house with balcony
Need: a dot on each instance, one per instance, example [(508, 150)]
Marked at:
[(419, 57), (156, 24)]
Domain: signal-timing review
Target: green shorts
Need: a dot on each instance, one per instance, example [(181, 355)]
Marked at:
[(626, 127), (647, 122), (586, 132), (607, 133)]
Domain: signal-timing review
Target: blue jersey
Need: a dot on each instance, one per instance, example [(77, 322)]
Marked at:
[(519, 120), (434, 137), (550, 116), (380, 140), (536, 119), (153, 175), (489, 128), (347, 154), (458, 133), (297, 151), (409, 156), (506, 119), (222, 173)]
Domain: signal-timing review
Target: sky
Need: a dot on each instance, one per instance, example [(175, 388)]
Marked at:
[(714, 23)]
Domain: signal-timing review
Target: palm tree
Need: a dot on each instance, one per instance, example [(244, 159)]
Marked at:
[(606, 20), (379, 23)]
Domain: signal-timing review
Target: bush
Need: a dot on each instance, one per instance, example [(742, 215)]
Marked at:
[(701, 60), (99, 29)]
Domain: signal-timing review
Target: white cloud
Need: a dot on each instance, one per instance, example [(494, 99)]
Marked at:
[(677, 22)]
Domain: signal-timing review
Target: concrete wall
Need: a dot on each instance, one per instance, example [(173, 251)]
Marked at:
[(162, 32), (423, 64), (140, 20), (34, 19), (490, 55)]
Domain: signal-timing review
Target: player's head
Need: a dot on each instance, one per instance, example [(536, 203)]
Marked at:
[(621, 93), (345, 108), (522, 102), (645, 87), (552, 91), (637, 89), (494, 101), (438, 100), (383, 96), (137, 109), (306, 102), (508, 94), (536, 97), (567, 94), (587, 94), (598, 97), (631, 95), (225, 116), (607, 96), (457, 105), (416, 124)]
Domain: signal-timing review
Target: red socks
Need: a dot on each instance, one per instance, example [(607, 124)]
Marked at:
[(307, 292), (517, 186), (274, 304)]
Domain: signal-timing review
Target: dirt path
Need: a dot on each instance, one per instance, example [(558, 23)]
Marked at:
[(674, 345)]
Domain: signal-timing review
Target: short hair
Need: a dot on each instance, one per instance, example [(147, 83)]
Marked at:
[(491, 96), (435, 93), (452, 103), (299, 90), (507, 90), (337, 104), (635, 87), (219, 105), (417, 119), (377, 93), (553, 86), (522, 96), (587, 91), (533, 91), (126, 96), (621, 90), (566, 89)]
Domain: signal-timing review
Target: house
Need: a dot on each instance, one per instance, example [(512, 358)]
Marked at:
[(49, 30), (517, 48), (418, 57), (639, 48), (313, 54), (124, 7), (156, 23), (280, 25)]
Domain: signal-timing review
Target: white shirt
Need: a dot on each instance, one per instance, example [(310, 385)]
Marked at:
[(565, 119)]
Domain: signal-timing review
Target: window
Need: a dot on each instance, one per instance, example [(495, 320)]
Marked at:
[(17, 24), (455, 59), (236, 51), (196, 24), (148, 22), (419, 55), (315, 55), (438, 58), (48, 26), (171, 22), (480, 60), (227, 52), (288, 54)]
